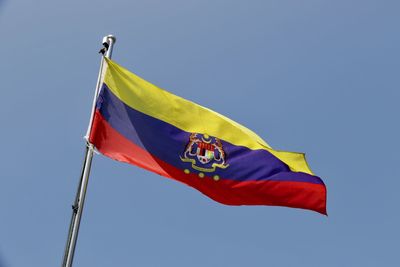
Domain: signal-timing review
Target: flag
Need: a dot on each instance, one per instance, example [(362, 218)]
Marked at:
[(140, 124)]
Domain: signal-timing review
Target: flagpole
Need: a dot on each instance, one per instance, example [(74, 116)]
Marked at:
[(77, 207)]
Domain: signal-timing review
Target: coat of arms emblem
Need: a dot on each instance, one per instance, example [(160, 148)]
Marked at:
[(205, 153)]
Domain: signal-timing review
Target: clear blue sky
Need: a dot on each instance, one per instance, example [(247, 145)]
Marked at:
[(321, 77)]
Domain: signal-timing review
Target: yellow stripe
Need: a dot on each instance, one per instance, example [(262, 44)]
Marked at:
[(188, 116)]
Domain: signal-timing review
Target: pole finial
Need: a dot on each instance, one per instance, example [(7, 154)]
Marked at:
[(108, 42), (108, 39)]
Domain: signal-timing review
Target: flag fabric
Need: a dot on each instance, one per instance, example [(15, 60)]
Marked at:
[(140, 124)]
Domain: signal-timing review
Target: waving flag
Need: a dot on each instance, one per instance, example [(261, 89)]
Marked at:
[(138, 123)]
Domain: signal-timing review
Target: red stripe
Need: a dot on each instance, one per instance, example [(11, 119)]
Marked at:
[(112, 144), (230, 192)]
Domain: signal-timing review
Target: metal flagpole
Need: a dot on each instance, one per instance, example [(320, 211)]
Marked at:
[(77, 207)]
